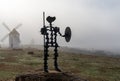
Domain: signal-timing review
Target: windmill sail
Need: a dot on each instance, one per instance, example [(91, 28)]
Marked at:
[(18, 26), (4, 37), (6, 27), (14, 37)]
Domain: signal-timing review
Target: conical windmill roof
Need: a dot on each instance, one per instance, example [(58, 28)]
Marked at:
[(14, 32)]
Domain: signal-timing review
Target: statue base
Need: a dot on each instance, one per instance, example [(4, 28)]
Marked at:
[(51, 76)]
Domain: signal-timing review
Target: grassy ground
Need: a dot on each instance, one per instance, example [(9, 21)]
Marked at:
[(91, 67)]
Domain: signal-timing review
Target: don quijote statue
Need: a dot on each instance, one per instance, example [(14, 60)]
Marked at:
[(50, 40)]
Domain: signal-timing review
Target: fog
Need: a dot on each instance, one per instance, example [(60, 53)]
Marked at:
[(95, 24)]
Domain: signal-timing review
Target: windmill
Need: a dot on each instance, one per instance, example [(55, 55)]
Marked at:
[(14, 36)]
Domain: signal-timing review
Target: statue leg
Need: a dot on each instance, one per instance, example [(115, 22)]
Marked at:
[(55, 59), (45, 59)]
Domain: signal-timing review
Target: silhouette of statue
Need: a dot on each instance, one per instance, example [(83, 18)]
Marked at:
[(50, 40)]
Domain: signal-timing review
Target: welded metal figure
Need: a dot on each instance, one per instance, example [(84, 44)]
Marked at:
[(50, 40)]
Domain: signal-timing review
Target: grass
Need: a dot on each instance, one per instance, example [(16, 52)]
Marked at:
[(94, 68), (91, 67), (9, 75)]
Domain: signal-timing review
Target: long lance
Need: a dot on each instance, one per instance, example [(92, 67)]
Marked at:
[(44, 27)]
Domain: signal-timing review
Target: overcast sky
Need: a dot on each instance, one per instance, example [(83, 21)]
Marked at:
[(94, 23)]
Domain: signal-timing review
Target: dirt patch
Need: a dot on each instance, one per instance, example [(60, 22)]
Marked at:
[(51, 76), (8, 59)]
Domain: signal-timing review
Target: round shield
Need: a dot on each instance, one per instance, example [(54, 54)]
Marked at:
[(67, 34)]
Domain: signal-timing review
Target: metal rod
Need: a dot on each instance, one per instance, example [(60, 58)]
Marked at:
[(44, 19), (45, 45), (44, 27)]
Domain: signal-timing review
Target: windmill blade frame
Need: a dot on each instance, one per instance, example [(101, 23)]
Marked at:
[(6, 27), (4, 37), (18, 26)]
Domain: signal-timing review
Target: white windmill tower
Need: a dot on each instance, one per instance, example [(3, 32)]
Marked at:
[(14, 37)]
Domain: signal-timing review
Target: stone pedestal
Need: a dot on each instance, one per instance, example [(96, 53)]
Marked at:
[(51, 76)]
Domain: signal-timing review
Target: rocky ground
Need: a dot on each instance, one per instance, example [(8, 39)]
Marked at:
[(51, 76)]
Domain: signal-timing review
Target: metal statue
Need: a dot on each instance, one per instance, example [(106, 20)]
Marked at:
[(50, 40)]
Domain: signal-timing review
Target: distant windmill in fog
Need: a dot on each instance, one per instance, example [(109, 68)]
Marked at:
[(14, 36)]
